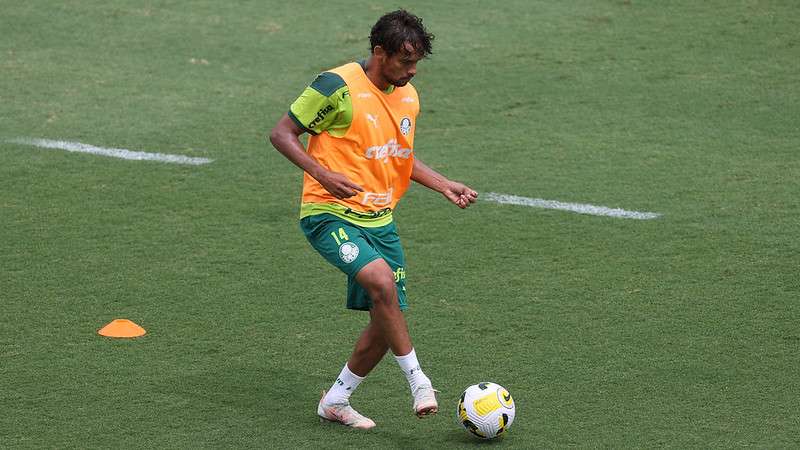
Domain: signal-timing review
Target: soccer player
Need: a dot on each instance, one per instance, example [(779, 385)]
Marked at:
[(361, 118)]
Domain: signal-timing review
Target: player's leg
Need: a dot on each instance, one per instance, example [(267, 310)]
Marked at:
[(369, 350), (344, 246), (335, 403), (378, 279), (367, 353)]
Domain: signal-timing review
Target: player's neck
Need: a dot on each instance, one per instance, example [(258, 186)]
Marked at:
[(374, 74)]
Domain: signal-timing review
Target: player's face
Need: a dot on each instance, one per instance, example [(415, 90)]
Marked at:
[(400, 68)]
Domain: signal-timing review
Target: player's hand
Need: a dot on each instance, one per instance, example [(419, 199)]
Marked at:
[(339, 185), (459, 194)]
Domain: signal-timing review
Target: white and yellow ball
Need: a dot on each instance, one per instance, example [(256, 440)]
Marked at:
[(486, 410)]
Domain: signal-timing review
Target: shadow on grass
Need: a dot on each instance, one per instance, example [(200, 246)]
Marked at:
[(385, 437), (463, 437)]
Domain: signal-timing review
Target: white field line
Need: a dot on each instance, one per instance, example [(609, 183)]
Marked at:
[(112, 152), (579, 208)]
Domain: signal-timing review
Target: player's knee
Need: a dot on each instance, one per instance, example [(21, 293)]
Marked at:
[(383, 291), (377, 279)]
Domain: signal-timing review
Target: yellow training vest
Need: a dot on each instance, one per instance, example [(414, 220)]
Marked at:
[(377, 152)]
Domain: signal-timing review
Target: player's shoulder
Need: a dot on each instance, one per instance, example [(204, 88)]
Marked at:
[(328, 83), (323, 105)]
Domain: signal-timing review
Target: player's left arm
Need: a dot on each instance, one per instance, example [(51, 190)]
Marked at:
[(458, 193)]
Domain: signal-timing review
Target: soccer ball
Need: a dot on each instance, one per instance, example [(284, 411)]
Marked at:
[(486, 410)]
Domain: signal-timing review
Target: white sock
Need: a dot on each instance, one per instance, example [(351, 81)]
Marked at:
[(412, 370), (343, 387)]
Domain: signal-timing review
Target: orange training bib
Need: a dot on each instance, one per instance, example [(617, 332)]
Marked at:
[(377, 152)]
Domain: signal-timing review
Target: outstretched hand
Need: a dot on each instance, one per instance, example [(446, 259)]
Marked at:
[(459, 194)]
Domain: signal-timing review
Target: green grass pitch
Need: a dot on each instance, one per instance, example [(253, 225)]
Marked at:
[(676, 332)]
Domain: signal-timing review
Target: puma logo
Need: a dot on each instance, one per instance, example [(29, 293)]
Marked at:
[(373, 119)]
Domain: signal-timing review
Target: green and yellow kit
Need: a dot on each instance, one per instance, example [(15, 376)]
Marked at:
[(366, 134)]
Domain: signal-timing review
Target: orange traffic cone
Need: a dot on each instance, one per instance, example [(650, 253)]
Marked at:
[(121, 328)]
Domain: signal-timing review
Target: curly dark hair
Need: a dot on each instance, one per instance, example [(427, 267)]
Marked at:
[(396, 28)]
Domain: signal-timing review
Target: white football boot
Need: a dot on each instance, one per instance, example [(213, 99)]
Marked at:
[(425, 403), (344, 414)]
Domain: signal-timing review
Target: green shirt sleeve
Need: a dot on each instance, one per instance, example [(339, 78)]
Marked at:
[(325, 105)]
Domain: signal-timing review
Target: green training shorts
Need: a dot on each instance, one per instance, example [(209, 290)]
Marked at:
[(350, 247)]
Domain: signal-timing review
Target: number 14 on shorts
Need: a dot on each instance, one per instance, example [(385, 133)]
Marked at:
[(341, 237)]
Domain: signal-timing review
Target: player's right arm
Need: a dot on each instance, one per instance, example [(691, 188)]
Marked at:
[(321, 107)]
